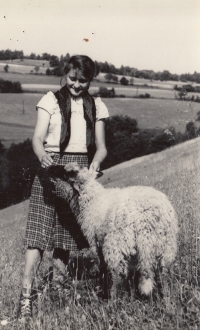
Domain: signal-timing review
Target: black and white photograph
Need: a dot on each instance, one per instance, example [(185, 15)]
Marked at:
[(100, 165)]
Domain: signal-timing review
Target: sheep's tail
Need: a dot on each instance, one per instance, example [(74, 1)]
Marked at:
[(146, 262), (146, 282)]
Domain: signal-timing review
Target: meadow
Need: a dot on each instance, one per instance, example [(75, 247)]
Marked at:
[(174, 171)]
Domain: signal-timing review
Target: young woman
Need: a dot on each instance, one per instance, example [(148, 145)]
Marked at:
[(70, 128)]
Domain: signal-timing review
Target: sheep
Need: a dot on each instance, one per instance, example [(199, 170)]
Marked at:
[(135, 227)]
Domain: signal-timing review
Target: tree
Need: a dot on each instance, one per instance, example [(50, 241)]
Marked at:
[(124, 81), (131, 81), (48, 72), (165, 75), (2, 148), (105, 92), (6, 67), (32, 56), (198, 116), (54, 61), (190, 130), (66, 58), (182, 94), (97, 68), (46, 56), (115, 78), (121, 70), (36, 68), (109, 76)]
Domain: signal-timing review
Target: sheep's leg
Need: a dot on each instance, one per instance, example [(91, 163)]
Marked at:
[(105, 280), (115, 280), (166, 280)]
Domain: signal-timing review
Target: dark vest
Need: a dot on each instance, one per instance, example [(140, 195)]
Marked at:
[(64, 102)]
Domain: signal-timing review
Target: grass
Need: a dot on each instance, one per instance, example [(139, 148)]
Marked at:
[(30, 78), (175, 172)]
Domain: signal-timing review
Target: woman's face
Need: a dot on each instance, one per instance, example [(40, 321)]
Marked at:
[(76, 83)]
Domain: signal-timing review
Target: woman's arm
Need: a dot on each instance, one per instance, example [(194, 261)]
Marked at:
[(40, 132), (101, 151)]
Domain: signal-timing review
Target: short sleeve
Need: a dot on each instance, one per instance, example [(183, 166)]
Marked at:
[(101, 109), (49, 103)]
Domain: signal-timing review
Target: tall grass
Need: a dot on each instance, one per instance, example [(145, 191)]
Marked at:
[(78, 306)]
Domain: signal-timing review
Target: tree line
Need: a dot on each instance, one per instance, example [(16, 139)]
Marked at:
[(57, 63)]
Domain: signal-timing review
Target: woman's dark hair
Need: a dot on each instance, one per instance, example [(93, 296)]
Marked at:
[(83, 64)]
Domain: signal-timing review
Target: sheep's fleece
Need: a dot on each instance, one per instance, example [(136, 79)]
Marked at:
[(129, 223)]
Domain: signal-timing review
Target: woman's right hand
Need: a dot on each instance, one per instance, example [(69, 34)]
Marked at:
[(46, 160)]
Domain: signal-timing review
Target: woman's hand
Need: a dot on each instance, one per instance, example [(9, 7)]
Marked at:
[(46, 160), (94, 166), (101, 151)]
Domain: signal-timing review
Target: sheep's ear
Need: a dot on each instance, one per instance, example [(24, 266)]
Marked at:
[(76, 187), (98, 174), (71, 170)]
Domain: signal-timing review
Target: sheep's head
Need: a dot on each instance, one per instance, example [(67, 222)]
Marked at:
[(74, 175)]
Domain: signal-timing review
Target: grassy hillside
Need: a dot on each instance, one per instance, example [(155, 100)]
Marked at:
[(175, 172)]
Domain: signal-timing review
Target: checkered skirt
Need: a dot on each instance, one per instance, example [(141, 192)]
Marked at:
[(50, 222)]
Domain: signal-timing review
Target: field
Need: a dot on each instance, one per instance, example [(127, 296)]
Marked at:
[(18, 115), (20, 72), (30, 78), (176, 172), (27, 62)]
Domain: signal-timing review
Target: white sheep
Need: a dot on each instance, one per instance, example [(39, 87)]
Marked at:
[(129, 224)]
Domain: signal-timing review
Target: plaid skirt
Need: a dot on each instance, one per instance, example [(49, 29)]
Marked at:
[(50, 222)]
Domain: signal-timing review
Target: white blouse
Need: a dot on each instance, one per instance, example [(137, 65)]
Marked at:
[(77, 142)]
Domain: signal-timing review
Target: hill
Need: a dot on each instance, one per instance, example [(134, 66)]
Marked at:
[(176, 172)]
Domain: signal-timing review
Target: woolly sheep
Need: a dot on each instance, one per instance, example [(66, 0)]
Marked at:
[(132, 223)]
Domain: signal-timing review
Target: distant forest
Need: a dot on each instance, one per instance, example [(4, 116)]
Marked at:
[(104, 67)]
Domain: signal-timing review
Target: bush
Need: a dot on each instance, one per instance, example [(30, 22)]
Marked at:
[(126, 141), (48, 72), (119, 140), (144, 96), (105, 92), (124, 81), (110, 76), (6, 67), (7, 86), (18, 167)]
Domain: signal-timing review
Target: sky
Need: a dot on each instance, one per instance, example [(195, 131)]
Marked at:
[(144, 34)]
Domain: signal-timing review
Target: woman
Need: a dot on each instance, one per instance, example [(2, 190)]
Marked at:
[(70, 128)]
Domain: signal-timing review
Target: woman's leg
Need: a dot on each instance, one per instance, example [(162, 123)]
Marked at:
[(33, 259)]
